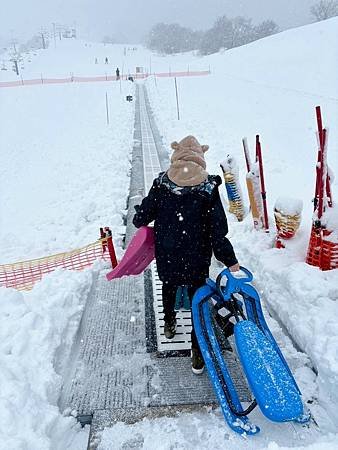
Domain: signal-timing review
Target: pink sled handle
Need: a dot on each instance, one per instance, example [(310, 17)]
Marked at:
[(138, 255)]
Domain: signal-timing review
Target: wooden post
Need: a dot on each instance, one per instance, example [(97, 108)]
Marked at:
[(177, 105)]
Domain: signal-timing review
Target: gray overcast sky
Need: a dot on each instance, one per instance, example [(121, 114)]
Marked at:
[(132, 18)]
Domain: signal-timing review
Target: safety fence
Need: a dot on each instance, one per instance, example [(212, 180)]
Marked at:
[(322, 252), (23, 275), (75, 79), (323, 246)]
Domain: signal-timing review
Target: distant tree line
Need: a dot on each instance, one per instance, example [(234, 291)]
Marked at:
[(324, 9), (226, 33)]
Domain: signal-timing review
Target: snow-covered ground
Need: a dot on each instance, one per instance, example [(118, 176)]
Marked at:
[(63, 174), (64, 171), (36, 333), (271, 88)]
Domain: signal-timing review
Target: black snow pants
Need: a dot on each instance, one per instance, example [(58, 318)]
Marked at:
[(169, 298)]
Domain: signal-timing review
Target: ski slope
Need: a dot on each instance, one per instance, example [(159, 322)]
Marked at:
[(64, 173)]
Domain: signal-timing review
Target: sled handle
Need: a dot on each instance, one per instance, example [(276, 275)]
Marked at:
[(233, 284)]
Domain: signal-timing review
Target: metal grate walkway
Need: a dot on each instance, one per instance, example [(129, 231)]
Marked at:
[(152, 167)]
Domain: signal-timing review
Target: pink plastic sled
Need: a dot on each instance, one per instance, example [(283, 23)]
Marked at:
[(138, 256)]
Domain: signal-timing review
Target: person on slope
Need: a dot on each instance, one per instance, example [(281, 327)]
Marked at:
[(189, 224)]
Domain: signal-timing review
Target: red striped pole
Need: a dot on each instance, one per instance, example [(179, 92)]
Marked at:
[(322, 137), (261, 175), (319, 156), (110, 246)]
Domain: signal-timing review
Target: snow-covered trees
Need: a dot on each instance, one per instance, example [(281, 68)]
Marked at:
[(172, 38), (224, 34), (229, 33), (217, 37), (324, 9), (265, 28)]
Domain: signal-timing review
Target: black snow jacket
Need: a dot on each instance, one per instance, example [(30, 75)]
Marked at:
[(189, 224)]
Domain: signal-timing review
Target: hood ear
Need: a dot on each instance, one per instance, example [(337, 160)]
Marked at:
[(205, 148), (174, 145)]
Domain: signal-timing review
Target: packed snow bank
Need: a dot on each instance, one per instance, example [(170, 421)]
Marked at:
[(63, 173), (78, 58), (301, 60), (302, 297), (34, 326), (221, 109), (271, 87), (206, 430), (63, 170)]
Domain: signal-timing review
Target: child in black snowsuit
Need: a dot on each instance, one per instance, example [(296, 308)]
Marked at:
[(189, 223)]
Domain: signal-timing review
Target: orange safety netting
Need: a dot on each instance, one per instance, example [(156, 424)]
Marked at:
[(321, 252), (75, 79), (23, 275)]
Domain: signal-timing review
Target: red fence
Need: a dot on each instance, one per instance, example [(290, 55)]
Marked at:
[(73, 79), (322, 251)]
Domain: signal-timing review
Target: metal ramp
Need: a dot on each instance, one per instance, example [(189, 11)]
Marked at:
[(181, 340), (152, 167), (118, 369)]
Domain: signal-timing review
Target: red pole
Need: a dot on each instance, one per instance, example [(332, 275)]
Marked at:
[(321, 182), (327, 180), (320, 126), (321, 179), (328, 191), (102, 233), (319, 156), (261, 175), (111, 247), (104, 243), (322, 134), (111, 252)]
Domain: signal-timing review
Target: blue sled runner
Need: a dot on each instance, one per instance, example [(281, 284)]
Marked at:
[(273, 387)]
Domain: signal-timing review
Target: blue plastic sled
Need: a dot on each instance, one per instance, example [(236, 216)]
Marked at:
[(267, 372)]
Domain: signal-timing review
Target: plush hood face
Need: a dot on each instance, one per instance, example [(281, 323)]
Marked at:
[(187, 162)]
